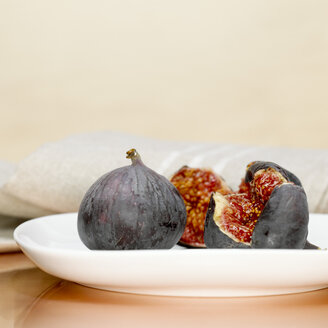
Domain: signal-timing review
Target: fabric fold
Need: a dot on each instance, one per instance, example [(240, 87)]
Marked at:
[(56, 176), (10, 205)]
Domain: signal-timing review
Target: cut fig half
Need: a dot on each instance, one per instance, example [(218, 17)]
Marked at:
[(270, 210), (196, 186), (216, 234)]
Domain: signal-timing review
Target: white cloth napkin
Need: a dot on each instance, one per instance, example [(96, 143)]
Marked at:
[(55, 177), (10, 204)]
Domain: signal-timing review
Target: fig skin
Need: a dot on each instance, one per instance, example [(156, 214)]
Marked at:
[(308, 245), (132, 207), (284, 220), (262, 165)]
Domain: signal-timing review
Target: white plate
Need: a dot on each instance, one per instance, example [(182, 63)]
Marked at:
[(53, 244)]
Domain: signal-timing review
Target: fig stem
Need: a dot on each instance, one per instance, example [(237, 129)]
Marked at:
[(133, 155)]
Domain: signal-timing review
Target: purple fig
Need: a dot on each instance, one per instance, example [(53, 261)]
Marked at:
[(132, 207)]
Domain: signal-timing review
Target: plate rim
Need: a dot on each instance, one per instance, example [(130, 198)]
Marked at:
[(50, 259), (22, 244)]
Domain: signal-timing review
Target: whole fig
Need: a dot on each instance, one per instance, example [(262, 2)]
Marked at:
[(131, 207)]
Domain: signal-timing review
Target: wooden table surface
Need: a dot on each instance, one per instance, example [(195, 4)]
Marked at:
[(32, 298)]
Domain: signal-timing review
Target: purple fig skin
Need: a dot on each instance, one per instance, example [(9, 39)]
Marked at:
[(132, 207), (284, 220), (308, 245)]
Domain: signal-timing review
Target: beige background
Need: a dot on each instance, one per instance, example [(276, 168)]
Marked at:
[(238, 71)]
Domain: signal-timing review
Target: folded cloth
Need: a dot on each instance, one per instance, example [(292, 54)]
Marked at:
[(11, 205), (56, 176)]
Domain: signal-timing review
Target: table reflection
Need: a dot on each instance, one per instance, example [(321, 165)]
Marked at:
[(68, 304)]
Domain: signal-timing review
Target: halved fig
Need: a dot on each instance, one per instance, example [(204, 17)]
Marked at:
[(215, 235), (270, 210), (196, 186)]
